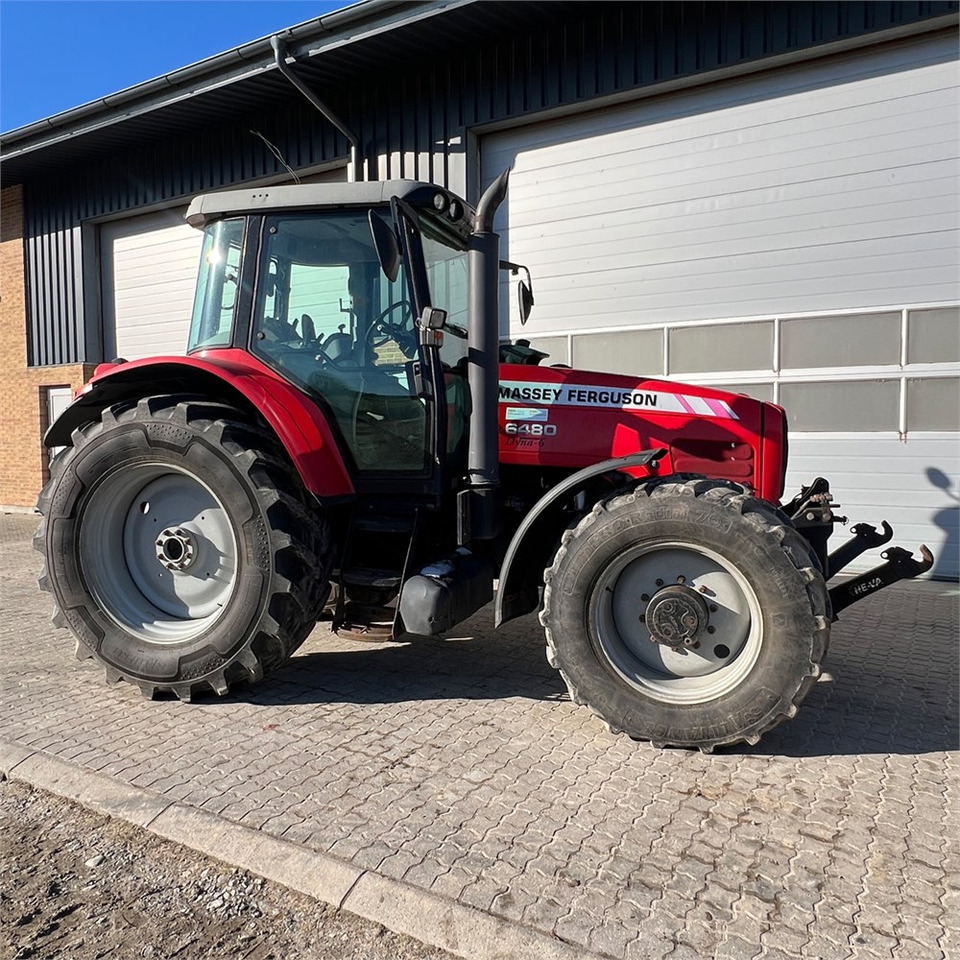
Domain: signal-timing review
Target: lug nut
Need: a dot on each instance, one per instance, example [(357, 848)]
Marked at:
[(702, 589), (713, 608), (643, 619), (644, 597), (659, 583), (681, 579), (711, 629)]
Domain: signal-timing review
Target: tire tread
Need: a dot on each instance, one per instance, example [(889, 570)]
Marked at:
[(768, 521), (300, 545)]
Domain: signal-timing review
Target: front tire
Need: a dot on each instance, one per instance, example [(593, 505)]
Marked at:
[(686, 612), (179, 547)]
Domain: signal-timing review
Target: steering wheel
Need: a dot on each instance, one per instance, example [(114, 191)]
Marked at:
[(382, 330)]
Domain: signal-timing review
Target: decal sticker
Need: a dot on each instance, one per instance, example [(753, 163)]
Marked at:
[(616, 398), (531, 429), (527, 413)]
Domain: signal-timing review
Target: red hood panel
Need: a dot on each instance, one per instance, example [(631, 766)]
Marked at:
[(553, 416)]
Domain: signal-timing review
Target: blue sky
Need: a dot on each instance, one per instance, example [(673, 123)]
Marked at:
[(57, 54)]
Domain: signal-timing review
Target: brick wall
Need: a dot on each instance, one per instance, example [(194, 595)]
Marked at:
[(23, 400)]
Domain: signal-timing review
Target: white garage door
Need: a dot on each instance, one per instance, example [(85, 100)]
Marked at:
[(792, 235), (149, 268)]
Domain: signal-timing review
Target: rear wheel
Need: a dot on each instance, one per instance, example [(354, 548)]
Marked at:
[(687, 612), (179, 547)]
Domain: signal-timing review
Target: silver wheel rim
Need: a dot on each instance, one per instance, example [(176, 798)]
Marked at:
[(725, 655), (158, 552)]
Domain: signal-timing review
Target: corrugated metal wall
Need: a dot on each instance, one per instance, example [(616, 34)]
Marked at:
[(55, 208), (414, 122)]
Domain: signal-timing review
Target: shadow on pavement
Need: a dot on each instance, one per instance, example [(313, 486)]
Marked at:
[(468, 667), (880, 693), (890, 684)]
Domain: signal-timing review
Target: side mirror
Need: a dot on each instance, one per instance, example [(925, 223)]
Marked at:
[(524, 288), (385, 243), (525, 299), (432, 318)]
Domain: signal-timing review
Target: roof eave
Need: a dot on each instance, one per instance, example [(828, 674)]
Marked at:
[(308, 39)]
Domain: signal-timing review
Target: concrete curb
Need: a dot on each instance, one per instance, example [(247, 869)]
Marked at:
[(436, 921)]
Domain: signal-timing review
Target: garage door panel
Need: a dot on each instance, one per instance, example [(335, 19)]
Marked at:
[(757, 267), (886, 479), (716, 149), (714, 137), (643, 250), (532, 210), (710, 294), (754, 181), (150, 266)]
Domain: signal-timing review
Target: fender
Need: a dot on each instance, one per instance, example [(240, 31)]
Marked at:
[(232, 376), (532, 544)]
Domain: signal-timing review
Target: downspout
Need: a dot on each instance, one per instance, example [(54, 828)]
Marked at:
[(483, 364), (280, 56)]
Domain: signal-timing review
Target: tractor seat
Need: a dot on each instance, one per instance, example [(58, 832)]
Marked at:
[(338, 346)]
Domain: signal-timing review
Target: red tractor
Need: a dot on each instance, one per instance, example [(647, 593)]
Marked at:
[(346, 416)]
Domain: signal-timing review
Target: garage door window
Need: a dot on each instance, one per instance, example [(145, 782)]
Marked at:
[(859, 405)]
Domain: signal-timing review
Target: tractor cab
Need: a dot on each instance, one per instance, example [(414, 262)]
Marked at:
[(311, 294)]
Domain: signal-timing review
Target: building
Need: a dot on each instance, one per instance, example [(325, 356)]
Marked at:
[(756, 194)]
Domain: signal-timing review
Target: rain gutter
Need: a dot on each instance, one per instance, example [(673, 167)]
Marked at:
[(311, 38)]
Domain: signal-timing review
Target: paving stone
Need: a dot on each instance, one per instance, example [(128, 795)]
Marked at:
[(822, 948), (736, 948), (459, 767), (917, 949)]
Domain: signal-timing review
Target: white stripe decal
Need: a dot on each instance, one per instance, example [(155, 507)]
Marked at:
[(616, 398)]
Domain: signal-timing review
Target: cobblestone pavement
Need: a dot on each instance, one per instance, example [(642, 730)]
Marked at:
[(459, 766)]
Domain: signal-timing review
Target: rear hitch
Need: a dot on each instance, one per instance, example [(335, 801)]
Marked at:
[(900, 565), (865, 537)]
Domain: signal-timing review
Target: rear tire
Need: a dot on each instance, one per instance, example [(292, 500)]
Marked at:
[(180, 548), (733, 593)]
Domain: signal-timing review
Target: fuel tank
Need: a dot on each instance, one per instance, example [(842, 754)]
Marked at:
[(559, 417)]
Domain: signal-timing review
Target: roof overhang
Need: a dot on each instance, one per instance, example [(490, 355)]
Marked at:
[(330, 49)]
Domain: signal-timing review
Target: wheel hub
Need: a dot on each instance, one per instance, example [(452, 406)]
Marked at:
[(175, 548), (677, 616)]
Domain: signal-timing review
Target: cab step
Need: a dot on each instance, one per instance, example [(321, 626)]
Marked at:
[(371, 577)]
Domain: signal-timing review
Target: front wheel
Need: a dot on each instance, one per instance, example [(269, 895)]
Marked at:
[(179, 547), (687, 612)]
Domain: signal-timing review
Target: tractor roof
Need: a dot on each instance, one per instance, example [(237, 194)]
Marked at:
[(214, 206)]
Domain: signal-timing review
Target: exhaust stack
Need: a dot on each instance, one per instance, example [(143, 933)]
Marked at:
[(479, 511)]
